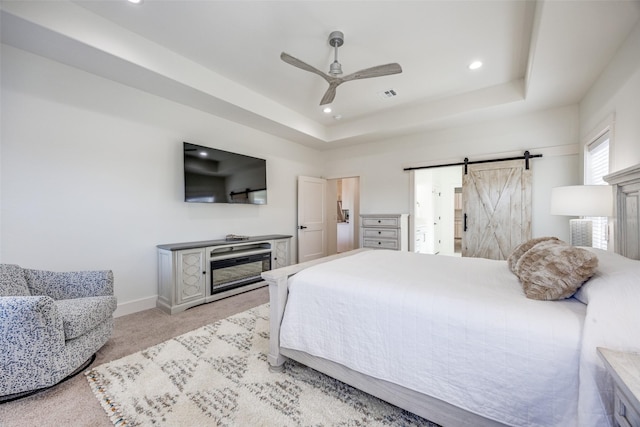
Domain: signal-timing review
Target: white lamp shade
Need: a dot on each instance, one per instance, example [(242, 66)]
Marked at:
[(582, 200)]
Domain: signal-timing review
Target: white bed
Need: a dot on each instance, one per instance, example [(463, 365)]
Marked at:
[(454, 339)]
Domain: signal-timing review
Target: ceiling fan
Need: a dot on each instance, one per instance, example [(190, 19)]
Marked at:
[(336, 39)]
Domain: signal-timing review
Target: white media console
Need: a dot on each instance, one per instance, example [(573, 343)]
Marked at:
[(194, 273)]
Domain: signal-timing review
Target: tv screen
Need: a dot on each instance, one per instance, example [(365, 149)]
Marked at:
[(217, 176)]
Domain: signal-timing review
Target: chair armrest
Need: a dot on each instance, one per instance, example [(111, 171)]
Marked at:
[(31, 338), (71, 284)]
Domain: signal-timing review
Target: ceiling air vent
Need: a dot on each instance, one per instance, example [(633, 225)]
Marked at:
[(386, 94)]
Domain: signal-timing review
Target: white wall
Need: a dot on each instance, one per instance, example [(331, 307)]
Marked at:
[(384, 186), (92, 175), (617, 92)]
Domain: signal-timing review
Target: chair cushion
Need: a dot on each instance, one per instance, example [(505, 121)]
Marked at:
[(80, 315), (13, 281)]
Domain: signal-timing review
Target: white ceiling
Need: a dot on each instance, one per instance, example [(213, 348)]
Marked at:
[(224, 56)]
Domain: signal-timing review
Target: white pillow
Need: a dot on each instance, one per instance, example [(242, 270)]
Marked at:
[(612, 268)]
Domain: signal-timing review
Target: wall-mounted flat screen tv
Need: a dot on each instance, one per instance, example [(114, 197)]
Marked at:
[(217, 176)]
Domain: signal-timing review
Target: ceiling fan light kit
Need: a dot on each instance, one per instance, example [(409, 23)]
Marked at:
[(336, 39)]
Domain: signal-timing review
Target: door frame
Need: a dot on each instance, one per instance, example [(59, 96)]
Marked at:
[(330, 214)]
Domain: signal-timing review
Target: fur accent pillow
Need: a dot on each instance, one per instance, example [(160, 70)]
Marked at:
[(553, 270), (524, 247)]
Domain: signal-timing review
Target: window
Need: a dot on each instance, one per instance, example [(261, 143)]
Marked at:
[(596, 167)]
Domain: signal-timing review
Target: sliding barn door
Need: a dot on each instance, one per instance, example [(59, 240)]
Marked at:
[(496, 199)]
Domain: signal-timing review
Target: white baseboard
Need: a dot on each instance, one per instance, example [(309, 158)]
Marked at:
[(135, 306)]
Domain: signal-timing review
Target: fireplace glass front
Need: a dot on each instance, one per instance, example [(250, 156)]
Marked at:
[(230, 273)]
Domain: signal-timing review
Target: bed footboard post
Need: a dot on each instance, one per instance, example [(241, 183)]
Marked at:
[(277, 300)]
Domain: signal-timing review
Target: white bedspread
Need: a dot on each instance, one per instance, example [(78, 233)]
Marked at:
[(613, 321), (462, 332)]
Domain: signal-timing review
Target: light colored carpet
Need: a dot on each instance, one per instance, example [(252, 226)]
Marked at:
[(218, 375)]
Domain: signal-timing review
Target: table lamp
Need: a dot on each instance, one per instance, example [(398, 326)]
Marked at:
[(582, 200)]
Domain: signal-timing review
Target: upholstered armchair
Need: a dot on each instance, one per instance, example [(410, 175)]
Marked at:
[(50, 325)]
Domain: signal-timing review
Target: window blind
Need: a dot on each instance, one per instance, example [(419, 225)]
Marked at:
[(596, 167)]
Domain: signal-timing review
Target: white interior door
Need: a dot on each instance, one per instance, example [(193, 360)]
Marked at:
[(312, 221)]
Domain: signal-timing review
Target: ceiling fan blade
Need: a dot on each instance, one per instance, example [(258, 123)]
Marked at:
[(303, 66), (379, 71), (330, 94)]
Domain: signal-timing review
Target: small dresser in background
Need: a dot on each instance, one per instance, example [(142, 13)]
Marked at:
[(385, 231)]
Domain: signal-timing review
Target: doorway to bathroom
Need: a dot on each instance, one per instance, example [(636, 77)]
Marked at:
[(438, 211), (344, 221)]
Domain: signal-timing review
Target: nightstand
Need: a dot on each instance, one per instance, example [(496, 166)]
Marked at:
[(624, 369)]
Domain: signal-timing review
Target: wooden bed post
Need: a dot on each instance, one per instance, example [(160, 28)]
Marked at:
[(278, 292)]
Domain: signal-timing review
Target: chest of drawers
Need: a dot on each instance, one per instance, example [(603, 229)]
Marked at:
[(385, 231)]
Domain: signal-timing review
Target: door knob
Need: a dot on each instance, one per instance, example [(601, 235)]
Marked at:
[(302, 227)]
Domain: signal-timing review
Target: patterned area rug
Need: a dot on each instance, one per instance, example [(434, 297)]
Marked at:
[(218, 375)]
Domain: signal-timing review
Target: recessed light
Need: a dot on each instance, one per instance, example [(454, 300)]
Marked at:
[(327, 110), (475, 65), (135, 1)]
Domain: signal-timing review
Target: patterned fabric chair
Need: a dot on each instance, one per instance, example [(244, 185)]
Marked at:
[(50, 325)]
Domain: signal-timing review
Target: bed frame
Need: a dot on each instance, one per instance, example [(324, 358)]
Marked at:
[(430, 408), (626, 187)]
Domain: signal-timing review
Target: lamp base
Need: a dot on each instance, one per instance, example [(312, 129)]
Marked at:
[(580, 232)]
